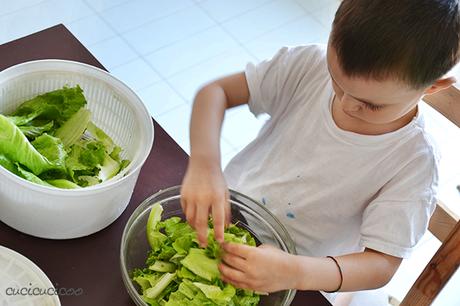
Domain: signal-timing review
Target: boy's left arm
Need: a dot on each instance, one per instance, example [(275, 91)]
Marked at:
[(268, 269)]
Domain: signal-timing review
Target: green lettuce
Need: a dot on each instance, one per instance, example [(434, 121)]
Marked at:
[(64, 184), (58, 106), (50, 140), (30, 176), (199, 263), (216, 294), (35, 128), (72, 130), (113, 162), (8, 165), (179, 273), (52, 149), (16, 147), (100, 135)]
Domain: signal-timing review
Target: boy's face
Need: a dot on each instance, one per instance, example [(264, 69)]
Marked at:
[(367, 102)]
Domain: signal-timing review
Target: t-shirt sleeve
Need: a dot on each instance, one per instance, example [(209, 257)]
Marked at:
[(272, 83), (398, 217)]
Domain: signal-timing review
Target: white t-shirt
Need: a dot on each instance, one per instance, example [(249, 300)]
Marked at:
[(335, 191)]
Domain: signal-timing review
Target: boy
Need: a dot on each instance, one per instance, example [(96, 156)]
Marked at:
[(344, 161)]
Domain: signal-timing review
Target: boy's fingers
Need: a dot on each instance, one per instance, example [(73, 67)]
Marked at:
[(238, 249), (228, 215), (190, 213), (182, 204), (237, 284), (231, 273), (201, 224), (218, 217), (227, 209), (235, 261)]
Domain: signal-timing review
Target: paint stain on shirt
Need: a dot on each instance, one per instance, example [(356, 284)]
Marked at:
[(290, 215)]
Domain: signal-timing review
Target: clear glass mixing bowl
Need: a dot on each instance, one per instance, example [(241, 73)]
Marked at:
[(249, 214)]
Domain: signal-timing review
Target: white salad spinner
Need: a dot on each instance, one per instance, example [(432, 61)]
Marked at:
[(69, 213)]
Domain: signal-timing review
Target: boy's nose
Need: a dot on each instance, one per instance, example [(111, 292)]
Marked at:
[(349, 104)]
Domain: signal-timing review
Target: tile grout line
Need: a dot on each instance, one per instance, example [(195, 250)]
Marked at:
[(196, 3), (241, 43), (318, 9), (217, 24), (314, 16), (227, 32), (136, 52), (59, 21), (274, 29), (150, 20), (22, 8), (110, 7), (142, 56), (172, 109), (142, 25), (176, 41), (138, 26)]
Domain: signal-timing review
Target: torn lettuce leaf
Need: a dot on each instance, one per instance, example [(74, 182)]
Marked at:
[(45, 140), (108, 168), (64, 184), (8, 165), (31, 177), (52, 148), (188, 274), (58, 105), (100, 135), (199, 263), (73, 129), (17, 148), (216, 294), (35, 128)]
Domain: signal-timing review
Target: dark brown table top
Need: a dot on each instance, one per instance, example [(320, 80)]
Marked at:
[(92, 263)]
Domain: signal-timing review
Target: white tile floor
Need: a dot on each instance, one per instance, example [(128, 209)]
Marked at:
[(165, 50)]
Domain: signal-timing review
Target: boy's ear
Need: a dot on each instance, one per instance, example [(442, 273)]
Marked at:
[(440, 85)]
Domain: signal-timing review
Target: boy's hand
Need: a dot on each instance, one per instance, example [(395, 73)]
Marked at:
[(264, 269), (205, 191)]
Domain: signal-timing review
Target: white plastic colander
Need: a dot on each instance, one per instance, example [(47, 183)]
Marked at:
[(22, 283), (58, 213)]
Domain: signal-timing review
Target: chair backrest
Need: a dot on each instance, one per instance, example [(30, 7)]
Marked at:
[(444, 224)]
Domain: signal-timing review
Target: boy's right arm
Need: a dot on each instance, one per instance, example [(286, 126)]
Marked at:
[(204, 190)]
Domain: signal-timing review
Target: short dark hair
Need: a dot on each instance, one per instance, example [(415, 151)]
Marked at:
[(413, 41)]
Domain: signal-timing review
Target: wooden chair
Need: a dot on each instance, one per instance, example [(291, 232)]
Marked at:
[(444, 224)]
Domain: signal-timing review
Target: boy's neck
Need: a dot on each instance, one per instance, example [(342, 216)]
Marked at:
[(365, 128)]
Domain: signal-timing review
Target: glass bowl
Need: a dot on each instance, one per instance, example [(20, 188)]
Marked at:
[(249, 214)]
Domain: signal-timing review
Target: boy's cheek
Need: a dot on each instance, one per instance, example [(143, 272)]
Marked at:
[(338, 92)]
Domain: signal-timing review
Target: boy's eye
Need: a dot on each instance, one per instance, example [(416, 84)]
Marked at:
[(372, 107)]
